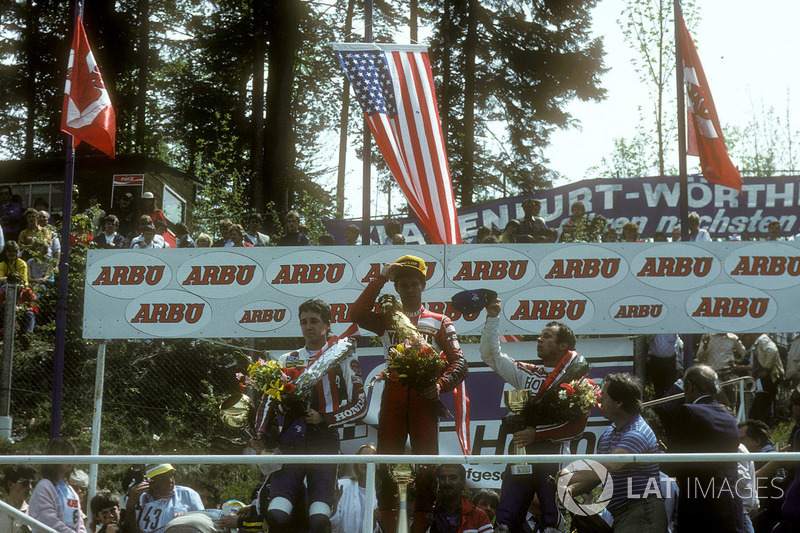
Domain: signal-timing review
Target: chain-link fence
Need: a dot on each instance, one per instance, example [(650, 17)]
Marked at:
[(160, 396)]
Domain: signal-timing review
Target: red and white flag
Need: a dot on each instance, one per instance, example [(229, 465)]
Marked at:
[(394, 86), (704, 132), (87, 114)]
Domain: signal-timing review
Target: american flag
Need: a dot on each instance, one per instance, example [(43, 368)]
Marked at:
[(394, 86)]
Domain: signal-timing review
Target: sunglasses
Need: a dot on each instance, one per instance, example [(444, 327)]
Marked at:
[(28, 482)]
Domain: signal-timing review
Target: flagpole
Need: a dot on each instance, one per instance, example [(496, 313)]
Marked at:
[(63, 272), (683, 177), (366, 184)]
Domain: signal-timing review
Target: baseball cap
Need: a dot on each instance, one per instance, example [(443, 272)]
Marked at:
[(156, 470), (147, 195), (412, 265), (472, 301)]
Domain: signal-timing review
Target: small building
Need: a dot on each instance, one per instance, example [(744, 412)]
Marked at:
[(175, 191)]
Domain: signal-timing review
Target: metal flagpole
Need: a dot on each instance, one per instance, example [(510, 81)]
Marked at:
[(366, 183), (63, 272), (684, 180), (688, 356)]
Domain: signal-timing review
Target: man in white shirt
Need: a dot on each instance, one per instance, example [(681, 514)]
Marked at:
[(157, 500)]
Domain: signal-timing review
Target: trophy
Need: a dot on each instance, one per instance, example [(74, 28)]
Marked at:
[(403, 475), (236, 411), (515, 401), (392, 308)]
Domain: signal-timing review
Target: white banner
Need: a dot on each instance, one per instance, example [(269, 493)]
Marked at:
[(620, 288)]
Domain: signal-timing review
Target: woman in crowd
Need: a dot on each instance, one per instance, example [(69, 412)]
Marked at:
[(12, 263), (53, 502), (350, 498), (236, 236)]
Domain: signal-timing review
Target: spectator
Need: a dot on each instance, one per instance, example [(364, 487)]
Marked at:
[(12, 263), (350, 499), (109, 238), (40, 204), (253, 235), (10, 214), (580, 219), (94, 213), (183, 239), (695, 233), (148, 239), (236, 234), (452, 512), (482, 233), (154, 502), (224, 228), (701, 425), (597, 228), (203, 240), (327, 240), (662, 357), (490, 239), (532, 224), (720, 351), (392, 228), (32, 230), (147, 206), (293, 235), (126, 214), (54, 249), (54, 502), (659, 236), (510, 231), (164, 232), (209, 494), (755, 435), (487, 500), (569, 232), (636, 504), (790, 511), (774, 231), (398, 239), (767, 369), (105, 511), (18, 481), (351, 234), (610, 235), (630, 232), (26, 308), (40, 265), (676, 233)]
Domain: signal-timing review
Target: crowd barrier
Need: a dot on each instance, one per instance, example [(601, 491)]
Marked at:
[(372, 461)]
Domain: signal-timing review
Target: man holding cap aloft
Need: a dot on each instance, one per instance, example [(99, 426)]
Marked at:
[(405, 412)]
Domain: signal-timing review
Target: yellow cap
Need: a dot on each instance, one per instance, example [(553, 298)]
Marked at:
[(156, 470), (414, 265)]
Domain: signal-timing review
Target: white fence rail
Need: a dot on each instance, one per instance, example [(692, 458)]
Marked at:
[(371, 462)]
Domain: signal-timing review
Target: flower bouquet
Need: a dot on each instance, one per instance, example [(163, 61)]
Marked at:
[(276, 381), (414, 363), (562, 403)]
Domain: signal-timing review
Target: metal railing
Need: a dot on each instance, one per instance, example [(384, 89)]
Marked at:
[(373, 460)]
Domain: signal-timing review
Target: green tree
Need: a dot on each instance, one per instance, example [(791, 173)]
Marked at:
[(649, 28), (508, 71)]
